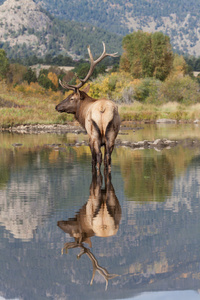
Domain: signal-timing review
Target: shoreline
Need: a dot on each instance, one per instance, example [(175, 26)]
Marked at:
[(75, 127)]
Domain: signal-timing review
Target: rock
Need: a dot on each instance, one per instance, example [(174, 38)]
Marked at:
[(124, 143), (166, 121), (158, 142)]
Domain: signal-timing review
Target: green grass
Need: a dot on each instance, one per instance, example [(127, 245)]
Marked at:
[(151, 112), (38, 107), (29, 108)]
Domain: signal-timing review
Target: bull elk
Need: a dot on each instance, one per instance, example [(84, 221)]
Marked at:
[(99, 117), (100, 216)]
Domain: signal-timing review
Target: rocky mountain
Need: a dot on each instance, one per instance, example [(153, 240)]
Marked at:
[(19, 22), (177, 18), (39, 27), (27, 29)]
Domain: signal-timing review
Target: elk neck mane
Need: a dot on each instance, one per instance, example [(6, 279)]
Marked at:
[(83, 107)]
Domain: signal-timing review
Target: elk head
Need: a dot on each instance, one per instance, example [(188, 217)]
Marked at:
[(71, 103)]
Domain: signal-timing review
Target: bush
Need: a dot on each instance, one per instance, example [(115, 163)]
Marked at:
[(32, 88), (45, 82), (147, 90), (182, 89), (128, 95), (112, 82), (116, 86)]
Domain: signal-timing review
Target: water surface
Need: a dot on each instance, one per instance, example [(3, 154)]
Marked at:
[(150, 209)]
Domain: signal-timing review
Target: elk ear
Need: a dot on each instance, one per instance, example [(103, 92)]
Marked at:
[(77, 92), (86, 89), (80, 94)]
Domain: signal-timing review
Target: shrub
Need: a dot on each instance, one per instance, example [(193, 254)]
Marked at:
[(147, 90), (128, 95), (117, 86), (112, 82), (32, 88), (45, 82), (182, 89), (54, 79)]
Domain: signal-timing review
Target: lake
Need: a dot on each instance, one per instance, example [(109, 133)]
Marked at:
[(136, 232)]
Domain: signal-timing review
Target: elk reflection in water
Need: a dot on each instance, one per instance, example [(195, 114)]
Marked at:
[(100, 216)]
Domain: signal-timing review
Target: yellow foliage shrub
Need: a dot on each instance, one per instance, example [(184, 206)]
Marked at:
[(54, 79), (111, 86), (32, 88)]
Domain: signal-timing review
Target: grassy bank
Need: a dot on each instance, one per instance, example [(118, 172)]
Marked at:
[(35, 105), (152, 112)]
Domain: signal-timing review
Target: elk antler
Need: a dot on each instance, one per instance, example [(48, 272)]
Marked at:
[(93, 63), (70, 245), (96, 267)]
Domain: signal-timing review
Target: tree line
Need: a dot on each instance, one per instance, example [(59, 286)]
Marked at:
[(146, 71), (150, 72), (15, 72)]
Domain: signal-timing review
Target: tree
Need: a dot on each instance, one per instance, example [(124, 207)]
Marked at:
[(179, 65), (54, 79), (15, 74), (4, 64), (162, 55), (44, 81), (82, 69), (30, 76), (147, 55)]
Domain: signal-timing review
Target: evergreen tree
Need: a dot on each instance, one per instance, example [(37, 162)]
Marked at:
[(30, 76), (4, 64)]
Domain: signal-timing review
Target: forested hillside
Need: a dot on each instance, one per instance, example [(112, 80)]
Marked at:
[(70, 25), (177, 18), (26, 29)]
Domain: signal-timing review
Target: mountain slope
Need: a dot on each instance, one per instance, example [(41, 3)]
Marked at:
[(177, 18), (27, 29)]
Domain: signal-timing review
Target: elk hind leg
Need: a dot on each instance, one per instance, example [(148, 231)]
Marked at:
[(107, 158), (96, 154), (95, 144), (109, 145), (94, 158)]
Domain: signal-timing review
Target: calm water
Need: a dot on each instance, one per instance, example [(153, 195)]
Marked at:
[(142, 224)]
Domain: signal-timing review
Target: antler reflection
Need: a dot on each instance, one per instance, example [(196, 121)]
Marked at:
[(96, 267)]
